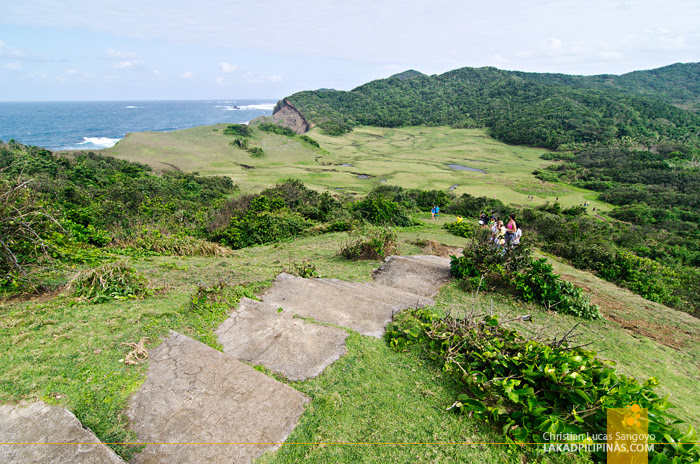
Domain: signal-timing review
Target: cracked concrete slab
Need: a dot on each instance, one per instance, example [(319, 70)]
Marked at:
[(258, 333), (200, 405), (40, 433), (420, 274), (364, 307)]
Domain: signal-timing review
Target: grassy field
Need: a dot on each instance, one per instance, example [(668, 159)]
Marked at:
[(70, 352), (356, 162)]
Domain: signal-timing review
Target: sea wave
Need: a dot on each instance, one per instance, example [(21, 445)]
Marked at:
[(100, 142), (261, 106), (258, 106), (131, 106)]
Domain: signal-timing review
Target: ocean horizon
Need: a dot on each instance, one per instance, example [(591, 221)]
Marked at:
[(93, 125)]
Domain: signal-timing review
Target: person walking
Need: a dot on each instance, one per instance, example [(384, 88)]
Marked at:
[(432, 213)]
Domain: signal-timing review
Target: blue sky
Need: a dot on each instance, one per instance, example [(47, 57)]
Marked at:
[(174, 49)]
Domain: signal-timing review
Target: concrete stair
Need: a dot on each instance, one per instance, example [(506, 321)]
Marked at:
[(260, 333), (366, 308), (40, 433), (199, 405)]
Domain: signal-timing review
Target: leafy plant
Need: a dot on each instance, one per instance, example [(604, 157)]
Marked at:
[(512, 267), (378, 210), (113, 281), (25, 227), (535, 388), (305, 269), (372, 243), (461, 229)]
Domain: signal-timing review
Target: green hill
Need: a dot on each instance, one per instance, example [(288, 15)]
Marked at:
[(677, 84), (546, 110)]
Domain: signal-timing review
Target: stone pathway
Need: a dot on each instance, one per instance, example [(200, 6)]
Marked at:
[(63, 438), (195, 395), (364, 307), (200, 405), (259, 333)]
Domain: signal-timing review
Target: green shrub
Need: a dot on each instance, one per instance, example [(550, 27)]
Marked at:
[(309, 140), (87, 234), (275, 129), (238, 130), (256, 152), (512, 267), (532, 388), (537, 282), (309, 203), (25, 226), (461, 229), (240, 143), (370, 244), (334, 127), (259, 228), (305, 269), (378, 210)]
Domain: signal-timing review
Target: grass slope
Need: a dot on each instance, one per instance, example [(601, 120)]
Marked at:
[(68, 352), (411, 157)]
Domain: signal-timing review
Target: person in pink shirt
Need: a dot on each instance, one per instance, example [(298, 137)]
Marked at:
[(511, 228)]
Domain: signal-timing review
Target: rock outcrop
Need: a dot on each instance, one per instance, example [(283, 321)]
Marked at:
[(286, 115)]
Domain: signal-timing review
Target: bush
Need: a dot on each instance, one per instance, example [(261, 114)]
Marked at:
[(537, 387), (461, 229), (259, 228), (377, 210), (370, 244), (309, 140), (113, 281), (256, 152), (512, 267), (24, 228), (240, 143), (275, 129), (238, 130), (309, 203)]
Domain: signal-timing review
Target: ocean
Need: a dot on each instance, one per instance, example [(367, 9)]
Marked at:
[(96, 125)]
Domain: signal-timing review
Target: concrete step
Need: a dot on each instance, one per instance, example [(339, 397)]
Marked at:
[(39, 433), (420, 274), (199, 405), (367, 309), (258, 333)]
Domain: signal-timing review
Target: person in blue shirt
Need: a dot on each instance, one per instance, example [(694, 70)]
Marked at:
[(437, 212)]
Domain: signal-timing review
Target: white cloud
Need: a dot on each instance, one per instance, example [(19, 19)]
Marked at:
[(124, 60), (128, 64), (187, 75), (119, 55), (228, 67)]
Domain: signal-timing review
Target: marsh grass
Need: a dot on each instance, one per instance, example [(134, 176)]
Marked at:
[(410, 156)]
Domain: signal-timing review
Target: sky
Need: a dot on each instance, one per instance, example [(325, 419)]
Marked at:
[(65, 50)]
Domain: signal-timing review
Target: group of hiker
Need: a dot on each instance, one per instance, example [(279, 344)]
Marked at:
[(501, 234)]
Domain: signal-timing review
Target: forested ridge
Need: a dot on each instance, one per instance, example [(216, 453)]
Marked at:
[(548, 110)]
